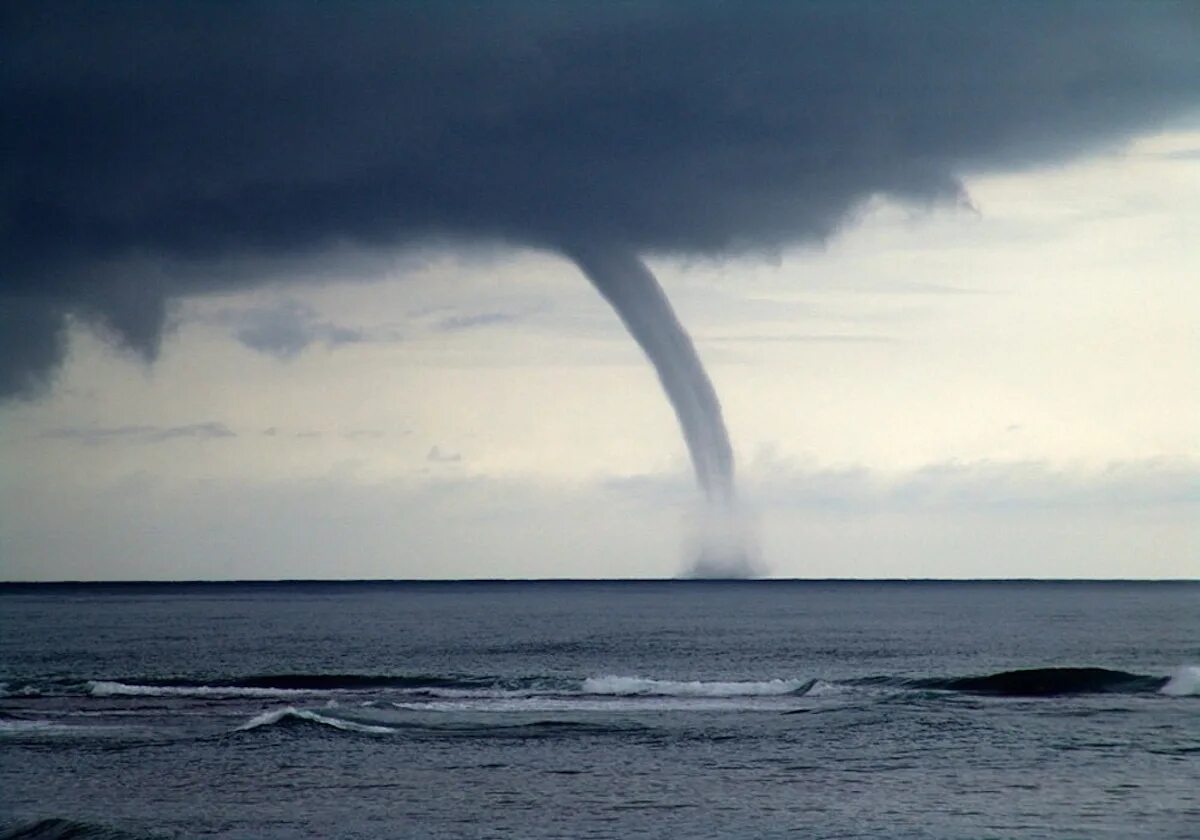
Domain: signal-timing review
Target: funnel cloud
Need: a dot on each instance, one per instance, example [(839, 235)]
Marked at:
[(629, 286), (631, 289)]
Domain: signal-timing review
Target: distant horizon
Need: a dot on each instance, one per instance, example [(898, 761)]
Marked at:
[(568, 580)]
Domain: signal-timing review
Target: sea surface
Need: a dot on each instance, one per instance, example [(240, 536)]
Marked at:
[(668, 709)]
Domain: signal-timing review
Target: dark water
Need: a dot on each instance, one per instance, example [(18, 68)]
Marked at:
[(653, 709)]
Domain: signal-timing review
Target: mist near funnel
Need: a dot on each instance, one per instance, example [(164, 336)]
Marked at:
[(723, 548)]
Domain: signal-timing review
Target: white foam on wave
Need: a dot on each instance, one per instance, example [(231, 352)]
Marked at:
[(473, 693), (17, 727), (276, 715), (820, 688), (23, 726), (9, 690), (1185, 682), (626, 686), (104, 688), (580, 704)]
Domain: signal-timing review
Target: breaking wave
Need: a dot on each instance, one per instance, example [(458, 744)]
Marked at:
[(15, 726), (357, 682), (308, 717), (294, 715), (19, 690), (285, 685), (289, 686), (643, 686), (27, 727), (105, 688), (425, 688), (1184, 683)]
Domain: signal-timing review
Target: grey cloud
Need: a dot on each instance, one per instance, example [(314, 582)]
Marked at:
[(140, 434), (1034, 484), (438, 455), (986, 486), (950, 488), (348, 434), (457, 323), (154, 145), (363, 434), (286, 329), (898, 288), (804, 338)]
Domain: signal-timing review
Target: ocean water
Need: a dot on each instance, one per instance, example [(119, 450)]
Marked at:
[(601, 709)]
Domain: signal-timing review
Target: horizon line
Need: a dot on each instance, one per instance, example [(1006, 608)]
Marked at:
[(571, 580)]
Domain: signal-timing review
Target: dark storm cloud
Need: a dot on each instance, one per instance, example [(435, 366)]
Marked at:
[(149, 146)]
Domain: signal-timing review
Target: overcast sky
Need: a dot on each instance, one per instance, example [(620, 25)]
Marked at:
[(952, 324)]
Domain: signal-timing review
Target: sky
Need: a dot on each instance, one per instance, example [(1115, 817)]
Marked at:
[(305, 310)]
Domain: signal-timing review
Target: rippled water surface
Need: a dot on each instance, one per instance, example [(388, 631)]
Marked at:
[(632, 709)]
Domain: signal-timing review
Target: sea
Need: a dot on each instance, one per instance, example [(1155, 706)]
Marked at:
[(600, 709)]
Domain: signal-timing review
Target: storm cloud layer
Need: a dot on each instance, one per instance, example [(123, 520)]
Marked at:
[(154, 150)]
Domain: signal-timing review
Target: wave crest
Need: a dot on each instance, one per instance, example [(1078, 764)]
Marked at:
[(19, 726), (1183, 683), (107, 688), (644, 686), (290, 714)]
